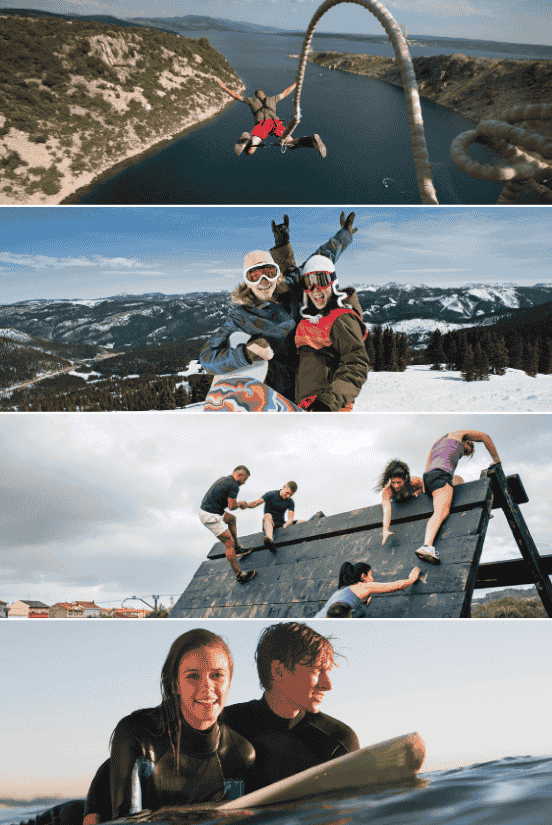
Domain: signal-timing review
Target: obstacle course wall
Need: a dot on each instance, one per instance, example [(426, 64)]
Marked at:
[(297, 580)]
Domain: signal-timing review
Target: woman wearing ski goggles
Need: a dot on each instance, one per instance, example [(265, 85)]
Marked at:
[(317, 279)]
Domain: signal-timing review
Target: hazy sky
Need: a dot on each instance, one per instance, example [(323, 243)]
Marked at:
[(460, 684), (105, 506), (94, 252), (517, 21)]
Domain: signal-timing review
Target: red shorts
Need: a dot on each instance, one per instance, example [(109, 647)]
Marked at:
[(267, 127)]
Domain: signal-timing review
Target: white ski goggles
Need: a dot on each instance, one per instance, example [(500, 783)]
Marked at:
[(269, 271)]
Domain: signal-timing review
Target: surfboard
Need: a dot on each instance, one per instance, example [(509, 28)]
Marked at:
[(383, 764), (244, 390)]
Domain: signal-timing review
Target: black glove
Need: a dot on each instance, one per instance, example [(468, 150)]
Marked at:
[(281, 232), (319, 406), (347, 223)]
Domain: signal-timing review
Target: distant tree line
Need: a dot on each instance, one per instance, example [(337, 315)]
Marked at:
[(388, 351), (479, 352), (510, 607)]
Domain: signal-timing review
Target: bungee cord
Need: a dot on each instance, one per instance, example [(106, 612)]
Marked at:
[(501, 136)]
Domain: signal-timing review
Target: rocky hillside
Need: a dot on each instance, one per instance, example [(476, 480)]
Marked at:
[(479, 88), (78, 97)]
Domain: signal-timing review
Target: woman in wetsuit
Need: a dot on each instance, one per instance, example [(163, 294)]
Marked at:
[(357, 586), (178, 753), (439, 480), (396, 485)]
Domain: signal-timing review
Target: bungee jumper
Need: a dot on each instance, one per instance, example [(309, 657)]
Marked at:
[(267, 122)]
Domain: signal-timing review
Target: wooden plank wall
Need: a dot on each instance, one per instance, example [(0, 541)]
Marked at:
[(301, 576)]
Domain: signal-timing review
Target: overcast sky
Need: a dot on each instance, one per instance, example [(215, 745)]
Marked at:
[(517, 21), (105, 506), (95, 252), (456, 682)]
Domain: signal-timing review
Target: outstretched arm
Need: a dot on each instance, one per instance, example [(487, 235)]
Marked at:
[(235, 95), (390, 587), (252, 504), (386, 505), (287, 91), (477, 435)]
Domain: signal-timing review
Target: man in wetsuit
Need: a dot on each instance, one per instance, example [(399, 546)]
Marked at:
[(285, 726), (214, 515), (276, 504), (439, 480), (267, 122)]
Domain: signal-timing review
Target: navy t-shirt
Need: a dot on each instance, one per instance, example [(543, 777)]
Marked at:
[(216, 497), (277, 506)]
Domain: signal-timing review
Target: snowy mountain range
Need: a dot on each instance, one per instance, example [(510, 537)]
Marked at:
[(127, 321)]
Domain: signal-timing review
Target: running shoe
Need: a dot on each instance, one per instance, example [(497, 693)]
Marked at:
[(270, 544), (428, 553), (241, 552), (245, 576)]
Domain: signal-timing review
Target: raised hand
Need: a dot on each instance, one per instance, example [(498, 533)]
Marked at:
[(347, 222), (281, 232)]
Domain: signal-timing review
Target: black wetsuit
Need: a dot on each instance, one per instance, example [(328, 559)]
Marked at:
[(212, 767), (213, 764), (284, 747)]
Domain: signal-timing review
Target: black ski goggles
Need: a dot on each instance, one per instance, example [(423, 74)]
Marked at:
[(320, 279), (268, 271)]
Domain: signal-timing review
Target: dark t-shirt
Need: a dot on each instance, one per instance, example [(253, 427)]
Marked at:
[(277, 506), (284, 747), (263, 111), (216, 498)]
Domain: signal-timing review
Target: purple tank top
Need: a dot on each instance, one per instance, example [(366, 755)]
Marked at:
[(445, 455)]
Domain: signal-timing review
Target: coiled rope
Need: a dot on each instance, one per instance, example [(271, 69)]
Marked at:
[(509, 141), (408, 79)]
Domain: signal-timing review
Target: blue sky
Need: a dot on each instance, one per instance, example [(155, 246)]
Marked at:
[(458, 683), (517, 21), (94, 252), (105, 507)]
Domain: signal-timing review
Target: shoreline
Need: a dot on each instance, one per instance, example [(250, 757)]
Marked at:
[(478, 88), (84, 188)]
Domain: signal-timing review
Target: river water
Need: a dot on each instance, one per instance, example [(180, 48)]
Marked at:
[(509, 791), (362, 121)]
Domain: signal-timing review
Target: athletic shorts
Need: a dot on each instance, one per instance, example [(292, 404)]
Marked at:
[(267, 127), (213, 522), (436, 479)]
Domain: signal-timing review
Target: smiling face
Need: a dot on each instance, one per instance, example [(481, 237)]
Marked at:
[(263, 289), (320, 296), (301, 689), (203, 683), (285, 492)]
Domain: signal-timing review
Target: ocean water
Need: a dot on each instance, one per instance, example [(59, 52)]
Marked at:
[(509, 791), (361, 120)]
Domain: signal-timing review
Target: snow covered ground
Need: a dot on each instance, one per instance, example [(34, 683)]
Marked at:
[(421, 389)]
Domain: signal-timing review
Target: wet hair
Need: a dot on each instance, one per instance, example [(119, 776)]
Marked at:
[(171, 717), (467, 440), (241, 469), (350, 573), (395, 469), (291, 485), (339, 610), (292, 644)]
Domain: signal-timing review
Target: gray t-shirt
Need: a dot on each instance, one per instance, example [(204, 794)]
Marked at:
[(445, 455)]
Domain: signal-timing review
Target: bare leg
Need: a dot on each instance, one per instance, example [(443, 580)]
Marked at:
[(230, 550), (268, 526), (231, 522), (255, 140), (442, 499)]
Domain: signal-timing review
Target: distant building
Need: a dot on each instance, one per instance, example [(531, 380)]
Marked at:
[(64, 610), (128, 613), (90, 609), (3, 610), (28, 610)]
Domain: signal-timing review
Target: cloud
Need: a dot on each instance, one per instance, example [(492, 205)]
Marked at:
[(49, 262)]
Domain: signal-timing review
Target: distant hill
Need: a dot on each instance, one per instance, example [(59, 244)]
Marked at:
[(192, 22)]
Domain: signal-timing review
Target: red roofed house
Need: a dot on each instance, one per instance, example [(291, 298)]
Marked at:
[(64, 610), (90, 609)]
